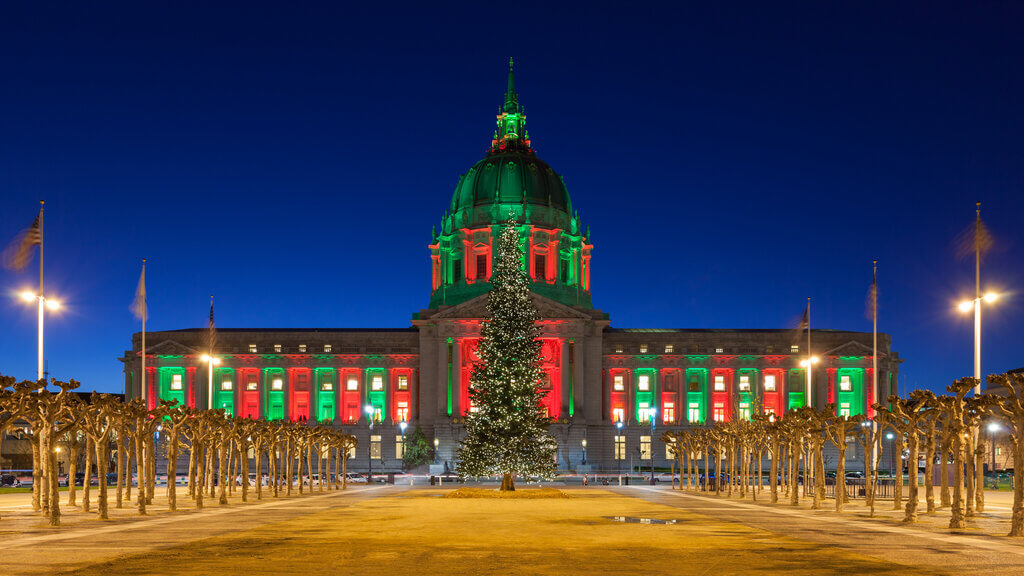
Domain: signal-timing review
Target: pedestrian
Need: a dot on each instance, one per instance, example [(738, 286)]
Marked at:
[(586, 480)]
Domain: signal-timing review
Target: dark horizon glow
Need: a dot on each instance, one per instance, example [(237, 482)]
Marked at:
[(730, 161)]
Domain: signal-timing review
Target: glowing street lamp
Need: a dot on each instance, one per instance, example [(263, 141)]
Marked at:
[(437, 443), (975, 304), (652, 413), (402, 425), (618, 431), (584, 444), (809, 365), (44, 303)]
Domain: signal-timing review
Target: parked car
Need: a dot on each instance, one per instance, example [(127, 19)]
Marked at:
[(9, 481), (666, 477), (353, 478)]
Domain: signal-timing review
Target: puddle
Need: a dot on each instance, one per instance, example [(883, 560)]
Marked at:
[(635, 520)]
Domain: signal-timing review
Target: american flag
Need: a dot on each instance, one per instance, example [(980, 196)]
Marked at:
[(19, 252)]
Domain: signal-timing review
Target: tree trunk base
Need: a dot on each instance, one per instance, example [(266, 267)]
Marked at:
[(507, 483)]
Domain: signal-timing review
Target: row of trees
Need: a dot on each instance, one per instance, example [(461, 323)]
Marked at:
[(122, 436), (941, 428)]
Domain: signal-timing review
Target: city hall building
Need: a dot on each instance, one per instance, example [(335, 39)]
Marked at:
[(604, 384)]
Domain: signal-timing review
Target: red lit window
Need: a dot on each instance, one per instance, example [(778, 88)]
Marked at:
[(718, 413), (669, 412), (481, 266), (539, 266), (403, 412)]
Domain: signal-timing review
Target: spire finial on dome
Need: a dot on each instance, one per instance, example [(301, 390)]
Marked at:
[(511, 98)]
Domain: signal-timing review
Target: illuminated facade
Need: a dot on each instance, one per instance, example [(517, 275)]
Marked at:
[(597, 377)]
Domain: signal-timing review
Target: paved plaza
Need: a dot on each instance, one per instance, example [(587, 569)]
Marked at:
[(403, 530)]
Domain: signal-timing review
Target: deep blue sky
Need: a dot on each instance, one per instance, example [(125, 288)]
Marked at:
[(730, 158)]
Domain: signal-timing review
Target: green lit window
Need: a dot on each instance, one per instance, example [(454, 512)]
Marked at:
[(644, 411), (694, 385), (844, 384), (277, 384), (745, 410), (693, 412), (377, 383), (326, 384), (744, 382), (226, 385), (456, 269), (643, 383), (844, 409), (176, 382)]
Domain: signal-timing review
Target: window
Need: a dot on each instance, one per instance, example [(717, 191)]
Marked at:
[(644, 412), (719, 383), (718, 412), (351, 453), (744, 382), (375, 447), (770, 413), (643, 383), (481, 266), (277, 384), (669, 348), (668, 413), (618, 386), (277, 347), (844, 383), (745, 410), (794, 349), (643, 348), (252, 383), (693, 412), (302, 348), (618, 415), (377, 383), (352, 383), (252, 348), (999, 450), (719, 350), (456, 269), (326, 384), (618, 349), (175, 381), (226, 385), (620, 447), (402, 412), (327, 348), (565, 269), (844, 408), (403, 382), (645, 447), (670, 453), (540, 265), (694, 385), (399, 447), (769, 382)]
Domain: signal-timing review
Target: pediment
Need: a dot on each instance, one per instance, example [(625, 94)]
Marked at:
[(851, 348), (477, 308), (170, 347)]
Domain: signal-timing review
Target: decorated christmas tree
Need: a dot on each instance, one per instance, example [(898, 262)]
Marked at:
[(507, 431)]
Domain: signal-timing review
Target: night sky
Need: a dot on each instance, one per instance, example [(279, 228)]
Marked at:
[(731, 159)]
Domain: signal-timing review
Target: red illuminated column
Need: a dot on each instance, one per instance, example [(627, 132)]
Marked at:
[(869, 393), (151, 391), (457, 407), (191, 370), (564, 374)]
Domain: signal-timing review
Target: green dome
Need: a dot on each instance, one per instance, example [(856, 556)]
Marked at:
[(513, 177)]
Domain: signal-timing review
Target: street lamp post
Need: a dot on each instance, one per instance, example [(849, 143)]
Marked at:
[(43, 303), (403, 424), (890, 437), (437, 444), (211, 361), (584, 444), (809, 365), (652, 416), (993, 427), (975, 305), (369, 443), (615, 447)]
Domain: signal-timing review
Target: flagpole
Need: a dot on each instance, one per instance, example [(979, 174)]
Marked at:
[(977, 298), (810, 357), (874, 334), (144, 380), (42, 297), (209, 395)]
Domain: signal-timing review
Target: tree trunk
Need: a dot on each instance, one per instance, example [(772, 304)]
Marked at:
[(910, 514), (119, 497), (88, 474), (289, 462), (222, 471), (718, 469), (150, 467), (257, 451), (243, 461), (37, 473), (968, 463), (897, 490), (795, 454), (53, 512), (841, 470), (956, 520), (929, 469), (343, 455), (773, 472), (979, 471), (1017, 518), (172, 470), (507, 484), (200, 485), (140, 465), (944, 495), (819, 472), (73, 451), (102, 457)]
